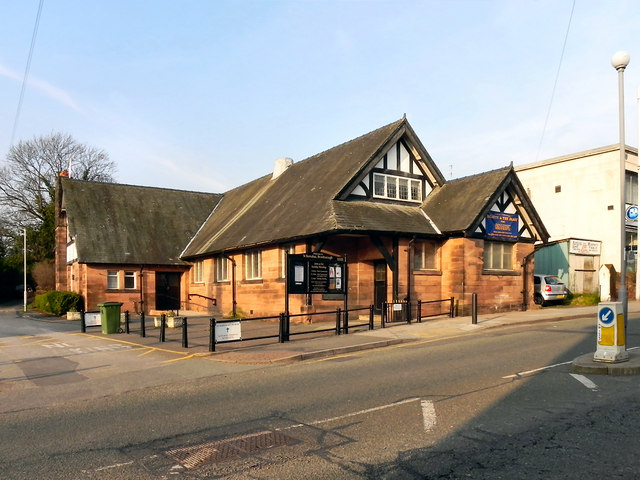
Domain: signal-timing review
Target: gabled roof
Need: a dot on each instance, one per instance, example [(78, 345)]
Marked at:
[(125, 224), (459, 206), (304, 200)]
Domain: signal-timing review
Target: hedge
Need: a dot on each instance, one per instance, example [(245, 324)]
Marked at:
[(58, 303)]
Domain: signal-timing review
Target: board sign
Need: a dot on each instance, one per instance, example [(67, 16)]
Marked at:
[(501, 225), (309, 273), (92, 319), (584, 247), (228, 331)]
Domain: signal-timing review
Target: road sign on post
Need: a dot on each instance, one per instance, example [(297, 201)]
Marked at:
[(610, 345)]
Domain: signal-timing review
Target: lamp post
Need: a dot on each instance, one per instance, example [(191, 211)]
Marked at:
[(620, 60)]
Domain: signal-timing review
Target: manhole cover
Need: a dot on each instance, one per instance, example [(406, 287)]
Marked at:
[(221, 450)]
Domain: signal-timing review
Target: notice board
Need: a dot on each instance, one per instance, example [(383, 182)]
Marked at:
[(310, 273)]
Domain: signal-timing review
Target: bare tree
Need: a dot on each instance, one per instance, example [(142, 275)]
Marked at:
[(28, 180)]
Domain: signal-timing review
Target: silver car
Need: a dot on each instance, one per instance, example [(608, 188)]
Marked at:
[(547, 289)]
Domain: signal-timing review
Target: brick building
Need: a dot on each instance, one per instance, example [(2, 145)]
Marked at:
[(379, 201)]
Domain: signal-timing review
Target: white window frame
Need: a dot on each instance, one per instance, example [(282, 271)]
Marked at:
[(391, 187), (129, 275), (112, 275), (222, 269), (197, 275), (425, 255), (253, 265), (498, 256)]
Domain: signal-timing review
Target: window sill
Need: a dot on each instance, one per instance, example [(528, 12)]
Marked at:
[(501, 273), (252, 281), (428, 272)]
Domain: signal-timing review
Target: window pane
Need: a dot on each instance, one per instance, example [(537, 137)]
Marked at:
[(391, 187), (129, 280), (112, 280), (403, 188), (378, 185), (415, 190)]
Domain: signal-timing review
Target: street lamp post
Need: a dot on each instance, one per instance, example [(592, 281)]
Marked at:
[(620, 60)]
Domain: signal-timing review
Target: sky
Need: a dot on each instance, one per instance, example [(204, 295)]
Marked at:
[(205, 95)]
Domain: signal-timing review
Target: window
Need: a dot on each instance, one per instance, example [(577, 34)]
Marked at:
[(631, 188), (112, 280), (222, 269), (497, 256), (425, 256), (397, 188), (196, 272), (286, 250), (129, 280), (252, 265)]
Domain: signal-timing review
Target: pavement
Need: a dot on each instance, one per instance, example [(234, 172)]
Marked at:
[(318, 344)]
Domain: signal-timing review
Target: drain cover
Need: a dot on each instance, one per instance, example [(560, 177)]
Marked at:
[(221, 450)]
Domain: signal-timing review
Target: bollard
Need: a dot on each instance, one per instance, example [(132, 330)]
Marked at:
[(451, 308), (83, 326), (163, 323), (346, 322), (474, 308), (370, 317), (212, 334), (126, 321), (338, 322), (383, 314), (419, 311), (143, 332), (281, 329), (185, 339)]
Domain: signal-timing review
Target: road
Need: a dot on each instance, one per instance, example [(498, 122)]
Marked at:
[(497, 404)]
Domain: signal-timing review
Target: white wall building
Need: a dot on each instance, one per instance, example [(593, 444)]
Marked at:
[(578, 196)]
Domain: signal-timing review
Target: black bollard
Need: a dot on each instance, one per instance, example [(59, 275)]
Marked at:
[(212, 334), (143, 332), (83, 326), (185, 340), (126, 321), (163, 325)]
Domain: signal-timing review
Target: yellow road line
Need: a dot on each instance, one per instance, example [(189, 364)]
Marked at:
[(131, 343)]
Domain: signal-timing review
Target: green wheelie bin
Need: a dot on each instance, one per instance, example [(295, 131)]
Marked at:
[(110, 316)]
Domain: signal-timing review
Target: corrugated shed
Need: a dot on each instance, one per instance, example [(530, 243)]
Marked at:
[(125, 224)]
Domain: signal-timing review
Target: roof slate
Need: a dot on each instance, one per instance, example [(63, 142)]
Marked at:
[(456, 206), (300, 202), (125, 224)]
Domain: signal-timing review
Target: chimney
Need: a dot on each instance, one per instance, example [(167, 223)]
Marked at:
[(280, 165)]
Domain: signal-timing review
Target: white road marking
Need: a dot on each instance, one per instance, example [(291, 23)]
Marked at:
[(428, 415), (585, 381), (529, 372), (361, 412)]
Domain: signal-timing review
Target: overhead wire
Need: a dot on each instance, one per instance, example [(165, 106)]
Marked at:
[(555, 83), (26, 73)]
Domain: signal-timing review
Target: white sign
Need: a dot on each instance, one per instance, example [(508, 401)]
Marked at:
[(228, 331), (397, 307), (92, 319), (584, 247)]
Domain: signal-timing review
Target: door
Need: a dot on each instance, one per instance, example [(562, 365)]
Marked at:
[(379, 284), (168, 290)]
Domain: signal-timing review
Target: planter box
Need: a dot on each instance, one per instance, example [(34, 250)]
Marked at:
[(171, 322)]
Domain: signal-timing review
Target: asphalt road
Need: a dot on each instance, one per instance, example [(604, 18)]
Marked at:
[(497, 404)]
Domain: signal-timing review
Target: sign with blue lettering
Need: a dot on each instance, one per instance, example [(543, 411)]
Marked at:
[(501, 225), (606, 316)]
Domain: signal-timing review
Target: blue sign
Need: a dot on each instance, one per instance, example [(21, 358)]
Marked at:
[(501, 225), (606, 316), (632, 212)]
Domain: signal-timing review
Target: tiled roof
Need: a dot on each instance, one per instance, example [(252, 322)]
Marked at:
[(124, 224), (456, 206), (301, 202)]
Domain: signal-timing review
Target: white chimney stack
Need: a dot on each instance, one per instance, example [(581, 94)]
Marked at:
[(280, 165)]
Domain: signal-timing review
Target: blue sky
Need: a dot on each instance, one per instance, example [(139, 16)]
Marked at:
[(205, 95)]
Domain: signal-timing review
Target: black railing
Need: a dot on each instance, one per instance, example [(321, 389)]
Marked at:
[(281, 326)]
